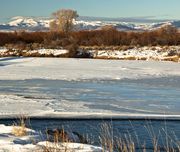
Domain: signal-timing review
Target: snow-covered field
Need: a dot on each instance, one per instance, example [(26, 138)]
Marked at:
[(79, 69), (36, 142), (31, 98)]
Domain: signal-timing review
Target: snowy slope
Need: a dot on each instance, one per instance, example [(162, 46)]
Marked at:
[(36, 24), (25, 23)]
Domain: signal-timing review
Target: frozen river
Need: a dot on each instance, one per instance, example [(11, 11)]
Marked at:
[(146, 96), (89, 93), (89, 88)]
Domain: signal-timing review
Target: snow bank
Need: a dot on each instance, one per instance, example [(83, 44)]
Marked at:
[(3, 51), (72, 147), (38, 52), (11, 143), (10, 104), (54, 52), (35, 141), (142, 53), (170, 53)]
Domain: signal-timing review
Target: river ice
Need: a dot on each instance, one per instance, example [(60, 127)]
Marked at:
[(54, 87)]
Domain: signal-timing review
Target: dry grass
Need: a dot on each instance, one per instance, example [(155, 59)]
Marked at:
[(106, 138), (130, 58), (172, 58), (104, 47), (57, 147), (55, 140), (115, 143), (58, 140), (106, 58), (111, 144), (143, 58), (19, 129)]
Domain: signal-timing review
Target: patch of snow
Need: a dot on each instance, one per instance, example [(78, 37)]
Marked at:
[(35, 141), (72, 147), (10, 104), (23, 22), (142, 53), (54, 52), (3, 51)]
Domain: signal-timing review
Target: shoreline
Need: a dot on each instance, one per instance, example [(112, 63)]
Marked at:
[(120, 117), (146, 53)]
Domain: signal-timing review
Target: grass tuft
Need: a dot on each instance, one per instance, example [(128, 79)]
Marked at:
[(19, 129)]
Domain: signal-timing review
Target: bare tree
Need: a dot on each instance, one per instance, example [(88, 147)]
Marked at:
[(63, 20)]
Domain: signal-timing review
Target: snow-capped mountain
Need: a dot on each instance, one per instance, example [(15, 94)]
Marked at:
[(42, 24), (124, 26), (26, 23)]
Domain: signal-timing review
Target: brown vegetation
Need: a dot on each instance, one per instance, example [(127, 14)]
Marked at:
[(105, 37)]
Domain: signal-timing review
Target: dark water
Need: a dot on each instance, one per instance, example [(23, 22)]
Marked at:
[(141, 132)]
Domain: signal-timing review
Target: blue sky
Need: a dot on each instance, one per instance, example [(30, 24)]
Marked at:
[(161, 9)]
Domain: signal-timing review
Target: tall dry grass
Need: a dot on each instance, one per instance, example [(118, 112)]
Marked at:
[(111, 141), (19, 128), (163, 141)]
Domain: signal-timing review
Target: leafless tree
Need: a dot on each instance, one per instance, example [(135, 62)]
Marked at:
[(63, 20)]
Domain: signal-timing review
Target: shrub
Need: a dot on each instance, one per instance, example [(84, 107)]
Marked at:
[(107, 36)]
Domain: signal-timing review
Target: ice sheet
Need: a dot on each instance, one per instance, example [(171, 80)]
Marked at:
[(79, 69)]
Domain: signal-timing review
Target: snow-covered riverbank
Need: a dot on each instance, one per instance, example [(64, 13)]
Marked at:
[(170, 53), (166, 53), (34, 141), (4, 52)]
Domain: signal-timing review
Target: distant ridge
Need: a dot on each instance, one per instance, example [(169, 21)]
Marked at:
[(125, 19), (87, 23)]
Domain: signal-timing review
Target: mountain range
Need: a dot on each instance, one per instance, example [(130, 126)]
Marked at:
[(83, 23)]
